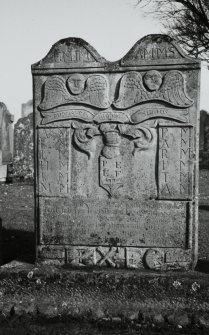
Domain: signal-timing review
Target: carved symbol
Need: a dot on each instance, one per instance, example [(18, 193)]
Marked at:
[(173, 90), (112, 140), (133, 258), (111, 174), (85, 256), (154, 259), (83, 137), (106, 256), (95, 94)]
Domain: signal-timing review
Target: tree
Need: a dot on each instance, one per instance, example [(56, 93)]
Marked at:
[(185, 20)]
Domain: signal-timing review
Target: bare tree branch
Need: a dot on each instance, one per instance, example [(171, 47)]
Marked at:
[(185, 20)]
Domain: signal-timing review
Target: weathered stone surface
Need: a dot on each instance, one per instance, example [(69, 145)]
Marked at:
[(6, 140), (23, 164), (3, 169), (116, 155), (204, 139)]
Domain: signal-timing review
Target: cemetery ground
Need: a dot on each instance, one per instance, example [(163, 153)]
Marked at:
[(50, 300)]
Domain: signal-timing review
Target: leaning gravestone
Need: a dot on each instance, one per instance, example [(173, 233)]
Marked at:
[(23, 162), (6, 140), (116, 155), (204, 140)]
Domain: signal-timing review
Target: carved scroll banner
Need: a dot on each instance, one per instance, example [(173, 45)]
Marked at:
[(116, 148)]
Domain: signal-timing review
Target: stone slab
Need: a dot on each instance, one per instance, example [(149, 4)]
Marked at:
[(116, 155), (6, 134), (23, 162), (3, 173)]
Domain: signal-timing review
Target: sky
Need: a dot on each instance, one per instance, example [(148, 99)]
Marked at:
[(30, 27)]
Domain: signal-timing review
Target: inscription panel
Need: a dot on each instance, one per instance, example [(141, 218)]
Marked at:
[(175, 166), (54, 161), (113, 222)]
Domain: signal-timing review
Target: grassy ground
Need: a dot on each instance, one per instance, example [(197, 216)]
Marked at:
[(17, 212)]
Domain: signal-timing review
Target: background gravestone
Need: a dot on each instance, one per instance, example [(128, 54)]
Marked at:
[(116, 155), (23, 163), (204, 139), (6, 140), (27, 108)]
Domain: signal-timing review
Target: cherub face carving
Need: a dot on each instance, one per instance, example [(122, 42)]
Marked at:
[(76, 83), (152, 80)]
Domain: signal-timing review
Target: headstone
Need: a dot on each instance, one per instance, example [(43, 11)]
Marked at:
[(116, 155), (6, 140), (204, 139), (27, 108), (3, 169), (23, 163)]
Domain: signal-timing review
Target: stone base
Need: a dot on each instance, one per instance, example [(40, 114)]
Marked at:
[(117, 257), (3, 173)]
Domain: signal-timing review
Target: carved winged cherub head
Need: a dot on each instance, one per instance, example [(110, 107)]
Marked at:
[(76, 83), (152, 80)]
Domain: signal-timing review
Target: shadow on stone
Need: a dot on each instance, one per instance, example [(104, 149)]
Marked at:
[(202, 266), (204, 207), (18, 245)]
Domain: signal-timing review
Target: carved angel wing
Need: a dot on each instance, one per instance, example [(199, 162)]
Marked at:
[(173, 89), (98, 89), (131, 91), (55, 93)]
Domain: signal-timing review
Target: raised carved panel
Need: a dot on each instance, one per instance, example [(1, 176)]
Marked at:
[(54, 166), (113, 222), (175, 167)]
